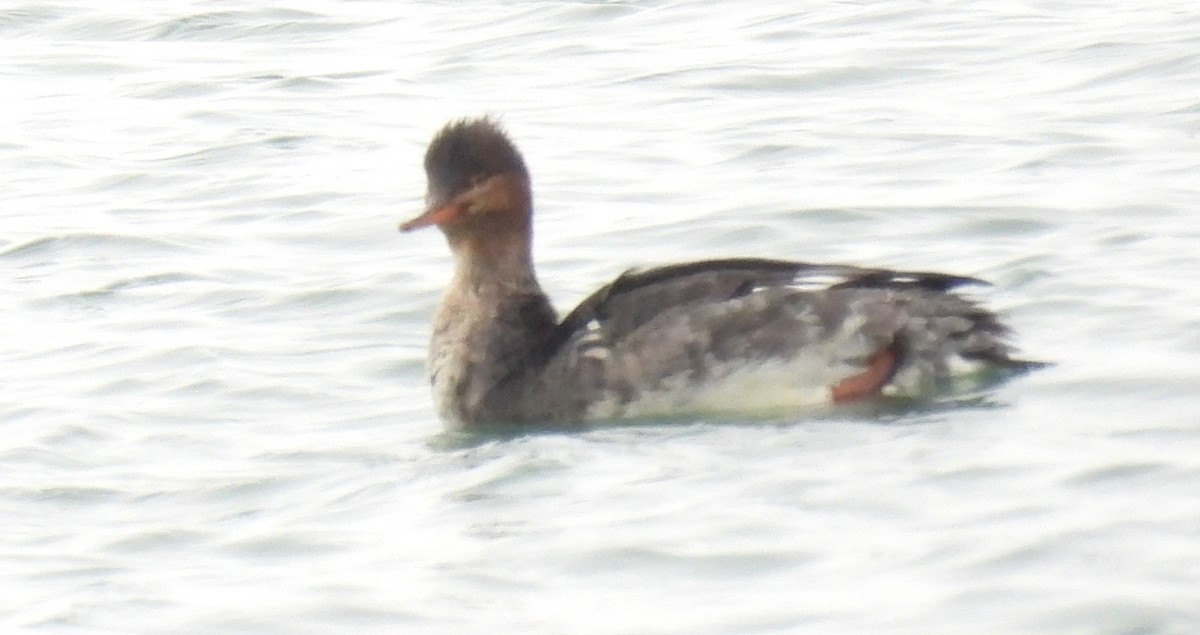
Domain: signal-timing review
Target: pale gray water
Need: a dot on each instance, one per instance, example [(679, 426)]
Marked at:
[(213, 412)]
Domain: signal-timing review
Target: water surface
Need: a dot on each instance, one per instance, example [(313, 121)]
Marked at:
[(213, 407)]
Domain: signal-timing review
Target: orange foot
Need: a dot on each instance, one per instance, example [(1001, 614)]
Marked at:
[(869, 382)]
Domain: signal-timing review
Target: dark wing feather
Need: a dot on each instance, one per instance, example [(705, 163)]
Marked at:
[(636, 297), (887, 279)]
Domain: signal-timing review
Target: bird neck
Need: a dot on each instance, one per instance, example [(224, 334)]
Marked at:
[(495, 257)]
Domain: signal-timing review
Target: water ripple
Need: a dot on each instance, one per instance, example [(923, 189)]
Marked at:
[(214, 405)]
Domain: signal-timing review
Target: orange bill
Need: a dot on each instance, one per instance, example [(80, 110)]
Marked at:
[(433, 216)]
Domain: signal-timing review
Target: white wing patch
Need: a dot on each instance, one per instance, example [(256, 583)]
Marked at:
[(593, 334), (817, 280), (594, 344), (598, 353)]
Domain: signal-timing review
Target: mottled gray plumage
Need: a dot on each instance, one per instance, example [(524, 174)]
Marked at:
[(671, 340)]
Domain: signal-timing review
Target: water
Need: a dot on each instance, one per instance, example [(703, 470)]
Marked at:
[(213, 411)]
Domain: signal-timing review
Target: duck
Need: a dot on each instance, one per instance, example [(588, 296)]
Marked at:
[(733, 337)]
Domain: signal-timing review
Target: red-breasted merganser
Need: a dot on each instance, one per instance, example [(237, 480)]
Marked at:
[(737, 336)]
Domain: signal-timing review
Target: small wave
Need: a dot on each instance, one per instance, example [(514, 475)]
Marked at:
[(1117, 473), (243, 25), (183, 89), (86, 241), (1179, 65), (130, 283), (25, 18)]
